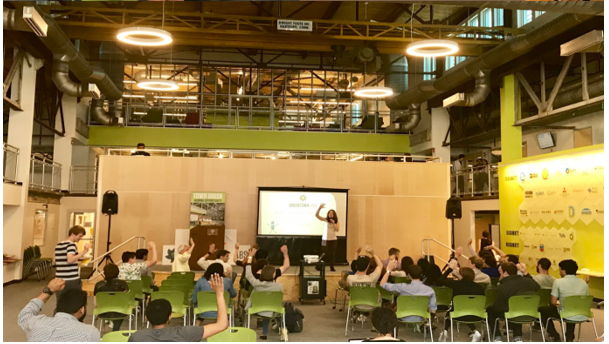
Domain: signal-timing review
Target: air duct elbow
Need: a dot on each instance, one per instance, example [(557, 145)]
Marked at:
[(61, 78), (98, 113), (414, 117), (481, 90)]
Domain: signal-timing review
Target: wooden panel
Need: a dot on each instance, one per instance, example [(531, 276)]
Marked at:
[(582, 137), (390, 204)]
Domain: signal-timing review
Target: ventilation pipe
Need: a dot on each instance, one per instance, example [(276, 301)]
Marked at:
[(481, 90), (494, 58), (61, 78)]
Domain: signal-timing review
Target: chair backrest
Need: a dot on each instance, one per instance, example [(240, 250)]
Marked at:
[(266, 301), (234, 334), (545, 295), (491, 295), (523, 306), (473, 305), (483, 285), (364, 296), (37, 253), (401, 280), (385, 295), (577, 305), (444, 296), (136, 286), (146, 282), (413, 305), (110, 301), (206, 301), (175, 297), (117, 336), (187, 275)]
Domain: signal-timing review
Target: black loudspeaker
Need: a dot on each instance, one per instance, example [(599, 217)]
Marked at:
[(110, 203), (453, 208)]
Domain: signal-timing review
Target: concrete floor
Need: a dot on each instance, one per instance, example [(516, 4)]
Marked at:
[(321, 324)]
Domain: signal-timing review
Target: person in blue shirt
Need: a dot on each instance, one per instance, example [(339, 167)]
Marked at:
[(203, 285)]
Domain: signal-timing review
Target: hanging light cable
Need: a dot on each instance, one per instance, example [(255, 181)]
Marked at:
[(145, 36)]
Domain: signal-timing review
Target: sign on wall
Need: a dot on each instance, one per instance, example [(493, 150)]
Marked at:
[(294, 25), (207, 208)]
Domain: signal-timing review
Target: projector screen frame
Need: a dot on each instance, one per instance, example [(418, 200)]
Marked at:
[(299, 188)]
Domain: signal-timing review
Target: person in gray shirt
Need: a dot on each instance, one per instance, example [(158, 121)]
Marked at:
[(544, 279), (158, 313)]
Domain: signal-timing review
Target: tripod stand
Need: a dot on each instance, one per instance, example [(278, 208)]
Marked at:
[(107, 258)]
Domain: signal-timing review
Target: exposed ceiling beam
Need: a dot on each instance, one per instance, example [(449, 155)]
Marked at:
[(261, 8), (331, 11), (397, 13), (300, 9)]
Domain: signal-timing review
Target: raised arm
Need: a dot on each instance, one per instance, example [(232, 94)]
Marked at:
[(286, 259), (317, 213), (192, 246), (236, 253), (379, 263), (496, 249), (390, 267), (249, 275), (153, 256), (34, 307), (75, 257), (471, 249), (221, 324)]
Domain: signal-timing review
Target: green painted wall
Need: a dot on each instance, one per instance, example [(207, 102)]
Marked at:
[(511, 136), (248, 139)]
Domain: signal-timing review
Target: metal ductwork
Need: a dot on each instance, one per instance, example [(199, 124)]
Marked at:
[(494, 58), (407, 123), (61, 78), (578, 7), (99, 114), (481, 90)]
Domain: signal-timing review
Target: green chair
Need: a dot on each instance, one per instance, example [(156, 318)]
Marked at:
[(146, 283), (266, 301), (362, 299), (385, 295), (401, 280), (410, 305), (494, 281), (176, 299), (576, 310), (137, 286), (206, 302), (545, 295), (483, 285), (491, 295), (469, 305), (234, 334), (113, 302), (187, 275), (444, 297), (117, 336), (523, 311)]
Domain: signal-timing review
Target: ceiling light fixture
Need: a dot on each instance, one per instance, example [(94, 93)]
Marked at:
[(144, 36), (158, 85), (373, 92), (432, 48)]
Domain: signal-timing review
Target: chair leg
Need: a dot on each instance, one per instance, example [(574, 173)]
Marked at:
[(136, 308), (507, 330), (430, 331), (594, 326), (579, 332), (531, 331), (452, 339), (543, 335), (562, 327), (488, 330), (130, 317), (248, 320), (495, 328), (93, 322), (347, 322), (425, 331)]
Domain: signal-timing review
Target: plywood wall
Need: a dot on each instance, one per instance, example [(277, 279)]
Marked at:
[(390, 204)]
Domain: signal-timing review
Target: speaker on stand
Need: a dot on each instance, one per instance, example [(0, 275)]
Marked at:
[(109, 207), (453, 211)]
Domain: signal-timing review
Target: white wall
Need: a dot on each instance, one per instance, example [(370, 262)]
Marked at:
[(436, 121), (47, 249), (465, 228)]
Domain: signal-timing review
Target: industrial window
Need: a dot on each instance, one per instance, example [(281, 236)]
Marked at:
[(526, 16), (498, 17), (452, 61), (429, 67)]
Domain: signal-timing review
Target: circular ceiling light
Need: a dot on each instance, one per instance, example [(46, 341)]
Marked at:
[(432, 48), (158, 85), (373, 92), (144, 36)]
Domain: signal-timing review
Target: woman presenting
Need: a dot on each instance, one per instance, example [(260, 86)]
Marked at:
[(328, 240)]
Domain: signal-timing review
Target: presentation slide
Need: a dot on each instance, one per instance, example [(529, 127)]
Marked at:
[(292, 212)]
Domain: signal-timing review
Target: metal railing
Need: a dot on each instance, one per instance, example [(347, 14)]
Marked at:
[(11, 163), (45, 174), (141, 242), (273, 155), (475, 182), (262, 118), (428, 253), (83, 179)]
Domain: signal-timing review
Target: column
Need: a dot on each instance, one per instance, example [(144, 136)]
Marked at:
[(511, 136)]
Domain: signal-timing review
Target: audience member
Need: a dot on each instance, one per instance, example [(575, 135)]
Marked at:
[(384, 322), (363, 278), (111, 283), (259, 264), (204, 285), (476, 264), (543, 277), (158, 313), (511, 285), (141, 256), (568, 285), (180, 261), (264, 284), (67, 257), (485, 241), (432, 274), (130, 270), (222, 257), (464, 286), (394, 254), (404, 265), (415, 288), (460, 166), (66, 325), (140, 150)]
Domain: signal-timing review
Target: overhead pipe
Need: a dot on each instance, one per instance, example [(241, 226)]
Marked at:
[(61, 78), (99, 114), (578, 7), (481, 90), (494, 58)]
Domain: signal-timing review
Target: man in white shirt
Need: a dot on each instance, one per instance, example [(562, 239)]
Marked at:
[(180, 261), (130, 270), (361, 278), (459, 167), (222, 257), (543, 277)]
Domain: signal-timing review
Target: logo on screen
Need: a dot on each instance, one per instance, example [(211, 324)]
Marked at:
[(303, 198)]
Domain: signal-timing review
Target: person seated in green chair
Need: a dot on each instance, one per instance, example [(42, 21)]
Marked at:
[(141, 256), (111, 283), (203, 285), (543, 277), (384, 322), (158, 313)]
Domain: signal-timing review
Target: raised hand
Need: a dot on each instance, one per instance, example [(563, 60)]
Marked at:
[(392, 265), (151, 245), (469, 243), (217, 283), (56, 284), (359, 250), (87, 246), (522, 267), (192, 242), (369, 249), (459, 251), (212, 248), (284, 249), (236, 246), (453, 264), (321, 206)]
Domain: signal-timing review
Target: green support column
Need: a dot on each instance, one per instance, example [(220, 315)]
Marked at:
[(511, 136)]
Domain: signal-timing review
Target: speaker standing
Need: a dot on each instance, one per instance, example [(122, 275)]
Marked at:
[(329, 240), (67, 257)]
